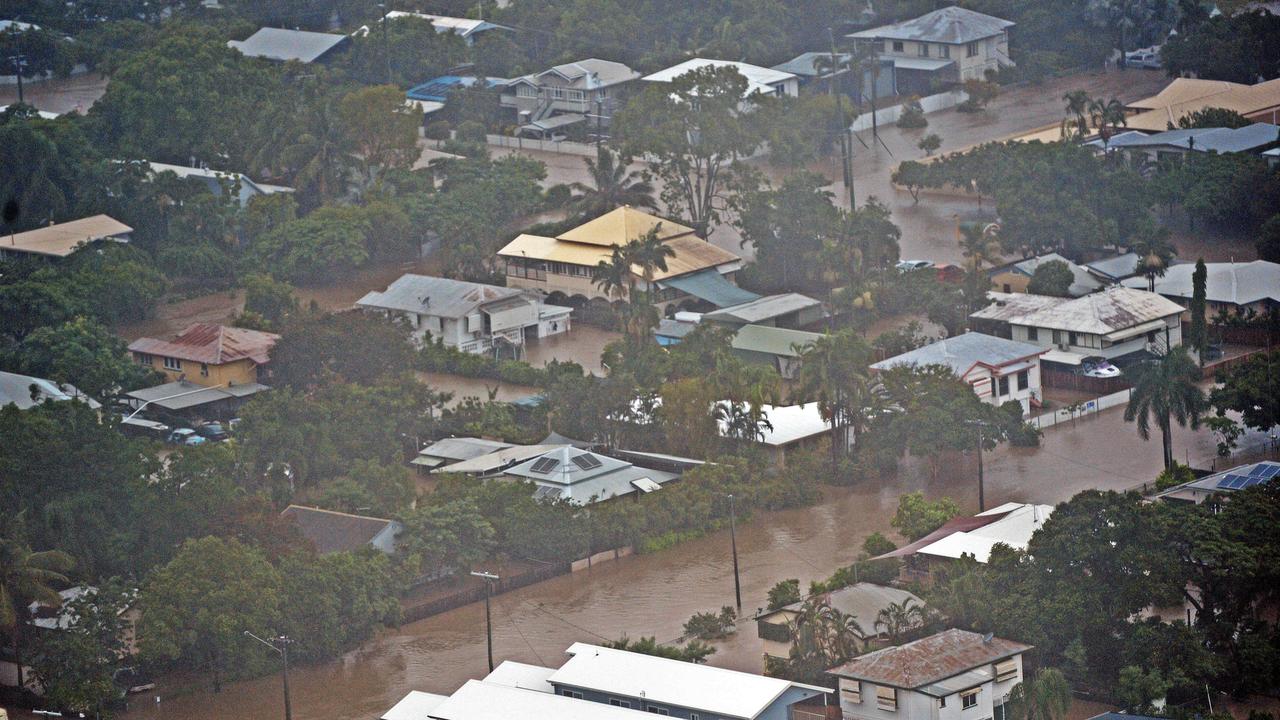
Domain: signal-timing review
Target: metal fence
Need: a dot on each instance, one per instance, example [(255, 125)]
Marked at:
[(1079, 410), (567, 147)]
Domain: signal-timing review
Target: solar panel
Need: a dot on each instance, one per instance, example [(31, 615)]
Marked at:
[(1232, 481), (1251, 481), (1239, 481), (587, 462), (546, 492), (1272, 471), (1226, 481), (1258, 470), (544, 466)]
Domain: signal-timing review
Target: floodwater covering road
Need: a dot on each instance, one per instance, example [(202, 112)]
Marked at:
[(654, 594)]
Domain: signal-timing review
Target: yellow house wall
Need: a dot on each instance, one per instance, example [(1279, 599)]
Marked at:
[(1016, 282), (239, 372)]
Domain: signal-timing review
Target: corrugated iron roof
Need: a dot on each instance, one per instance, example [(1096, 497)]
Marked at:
[(929, 660), (962, 352), (772, 340), (281, 44), (622, 225), (691, 255), (952, 25), (211, 343), (441, 297), (1235, 283), (64, 238), (1248, 100), (331, 531), (764, 308), (1116, 308)]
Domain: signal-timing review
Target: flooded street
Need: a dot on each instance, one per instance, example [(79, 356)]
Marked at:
[(60, 95), (654, 594)]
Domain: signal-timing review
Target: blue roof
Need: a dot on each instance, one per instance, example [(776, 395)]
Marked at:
[(437, 89), (711, 286)]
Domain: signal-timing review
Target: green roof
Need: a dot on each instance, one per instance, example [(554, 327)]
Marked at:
[(772, 340)]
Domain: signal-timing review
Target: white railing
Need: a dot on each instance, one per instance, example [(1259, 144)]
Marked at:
[(890, 115), (1084, 409)]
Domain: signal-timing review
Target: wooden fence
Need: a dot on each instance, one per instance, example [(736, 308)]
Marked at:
[(466, 596), (1212, 369), (1253, 336), (1072, 381)]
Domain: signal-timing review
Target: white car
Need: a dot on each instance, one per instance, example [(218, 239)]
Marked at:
[(1098, 367), (1145, 58), (909, 265)]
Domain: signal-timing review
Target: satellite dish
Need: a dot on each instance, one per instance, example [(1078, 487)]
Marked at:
[(988, 637)]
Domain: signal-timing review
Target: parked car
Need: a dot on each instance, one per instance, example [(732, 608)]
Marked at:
[(185, 436), (909, 265), (213, 431), (1143, 58), (1098, 367)]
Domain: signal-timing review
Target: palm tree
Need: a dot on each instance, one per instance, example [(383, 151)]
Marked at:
[(650, 253), (1107, 115), (979, 243), (1155, 254), (1046, 697), (1078, 102), (612, 185), (321, 155), (897, 619), (27, 577), (1164, 390), (833, 373), (613, 276)]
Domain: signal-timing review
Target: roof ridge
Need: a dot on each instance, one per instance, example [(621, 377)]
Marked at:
[(334, 512)]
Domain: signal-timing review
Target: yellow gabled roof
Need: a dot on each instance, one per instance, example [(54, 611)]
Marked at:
[(1257, 102), (691, 255), (1183, 90), (622, 225)]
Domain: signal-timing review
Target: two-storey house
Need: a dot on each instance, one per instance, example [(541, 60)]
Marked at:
[(208, 354), (941, 48), (997, 369), (560, 96), (762, 80), (953, 675)]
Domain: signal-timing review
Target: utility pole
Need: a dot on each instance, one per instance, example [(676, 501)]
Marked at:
[(846, 149), (386, 47), (733, 542), (281, 645), (488, 619), (982, 500), (19, 61)]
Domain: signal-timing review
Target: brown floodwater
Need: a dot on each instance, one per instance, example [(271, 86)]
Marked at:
[(654, 594)]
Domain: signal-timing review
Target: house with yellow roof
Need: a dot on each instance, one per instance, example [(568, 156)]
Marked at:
[(1184, 96), (563, 265)]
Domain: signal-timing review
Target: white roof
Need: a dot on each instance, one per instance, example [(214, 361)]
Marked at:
[(1235, 283), (1115, 309), (520, 675), (494, 461), (1014, 530), (443, 23), (790, 423), (478, 700), (755, 75), (416, 705), (42, 113), (954, 25), (16, 389), (282, 44), (728, 693), (588, 74), (436, 296)]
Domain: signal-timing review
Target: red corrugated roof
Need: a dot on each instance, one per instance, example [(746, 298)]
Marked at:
[(212, 344), (929, 660)]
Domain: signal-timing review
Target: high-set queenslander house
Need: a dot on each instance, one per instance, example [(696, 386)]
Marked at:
[(563, 265), (208, 354), (953, 675), (997, 369), (566, 94), (941, 48), (599, 683)]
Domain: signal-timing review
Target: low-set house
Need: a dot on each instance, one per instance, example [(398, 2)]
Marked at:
[(792, 428), (1183, 96), (997, 369), (787, 310), (63, 239), (953, 675), (562, 266), (1227, 481), (330, 531), (1147, 150), (1114, 323), (1113, 269), (1010, 524), (291, 45), (220, 183), (583, 477), (778, 348), (492, 464), (548, 101), (208, 354), (864, 601), (1015, 277), (1230, 287), (454, 449), (189, 401), (471, 317), (941, 48), (765, 81)]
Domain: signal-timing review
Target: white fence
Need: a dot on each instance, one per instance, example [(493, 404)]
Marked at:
[(890, 115), (562, 146), (1084, 409)]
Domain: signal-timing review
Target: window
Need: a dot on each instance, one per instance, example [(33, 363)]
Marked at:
[(897, 46), (695, 716), (657, 710), (571, 694), (1033, 333), (944, 51), (971, 50), (1007, 288), (1057, 337), (1003, 388), (924, 49), (204, 369), (942, 701), (172, 364), (1072, 339), (969, 698), (1024, 379), (620, 703), (851, 692), (887, 699), (144, 359), (1006, 670)]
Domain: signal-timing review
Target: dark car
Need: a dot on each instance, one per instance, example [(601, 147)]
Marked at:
[(213, 431)]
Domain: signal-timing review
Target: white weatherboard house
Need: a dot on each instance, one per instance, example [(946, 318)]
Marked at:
[(1112, 323), (761, 80), (471, 317), (565, 94), (949, 45), (953, 675), (997, 369)]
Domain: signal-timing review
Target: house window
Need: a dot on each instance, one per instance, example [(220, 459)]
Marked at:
[(944, 51), (969, 698), (620, 703), (657, 710), (1006, 670), (1072, 339), (971, 50), (1057, 337), (924, 49), (1024, 379), (144, 359), (942, 701), (571, 694), (887, 699), (852, 693), (1033, 333), (897, 46), (1003, 387), (695, 716), (204, 369), (172, 364), (1007, 288)]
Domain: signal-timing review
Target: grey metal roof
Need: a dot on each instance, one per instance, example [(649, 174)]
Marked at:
[(191, 395), (16, 389), (674, 328), (953, 25), (1101, 313), (580, 475), (1234, 283), (461, 448), (806, 64), (441, 297), (962, 352), (1115, 268), (711, 286), (1222, 140), (919, 63), (589, 74), (281, 44), (1082, 283), (772, 340), (764, 308)]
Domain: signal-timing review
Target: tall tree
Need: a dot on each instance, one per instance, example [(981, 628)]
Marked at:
[(1155, 253), (1047, 696), (833, 373), (1165, 391), (1078, 102), (1253, 390), (27, 577), (612, 184), (980, 243), (1198, 331)]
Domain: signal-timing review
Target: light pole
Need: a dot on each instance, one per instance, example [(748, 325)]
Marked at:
[(488, 619), (283, 648), (733, 543), (982, 500)]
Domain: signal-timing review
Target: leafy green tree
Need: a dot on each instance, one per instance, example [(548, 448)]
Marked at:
[(1165, 391), (822, 637), (447, 538), (695, 128), (897, 619), (711, 625), (917, 517), (384, 132), (47, 169), (1138, 689), (980, 244), (1051, 278), (833, 373), (84, 353), (914, 177), (315, 248), (788, 227), (1213, 117), (196, 608), (356, 347), (1253, 390), (272, 299), (694, 651), (784, 593), (1233, 46), (331, 603), (1047, 696), (77, 664), (613, 184), (409, 46), (980, 93), (27, 577), (1268, 243), (370, 488)]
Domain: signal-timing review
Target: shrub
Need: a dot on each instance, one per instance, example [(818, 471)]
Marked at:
[(711, 625), (1176, 475), (912, 117), (784, 593), (438, 130), (470, 131)]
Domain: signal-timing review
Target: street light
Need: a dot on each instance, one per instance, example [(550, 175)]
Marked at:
[(488, 619), (733, 541), (283, 649)]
